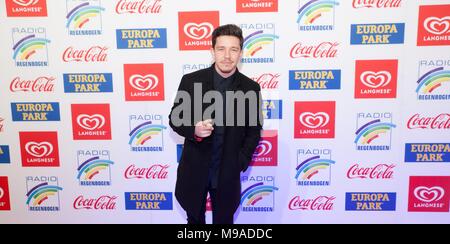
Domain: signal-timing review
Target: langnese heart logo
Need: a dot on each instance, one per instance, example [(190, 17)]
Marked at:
[(263, 149), (144, 83), (314, 121), (198, 31), (431, 194), (25, 3), (376, 79), (91, 122), (39, 150), (437, 26)]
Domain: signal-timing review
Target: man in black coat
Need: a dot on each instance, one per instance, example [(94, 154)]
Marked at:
[(218, 111)]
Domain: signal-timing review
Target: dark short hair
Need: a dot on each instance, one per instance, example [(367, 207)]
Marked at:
[(227, 30)]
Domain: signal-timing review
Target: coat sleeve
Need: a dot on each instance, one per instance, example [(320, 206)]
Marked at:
[(186, 131), (252, 137)]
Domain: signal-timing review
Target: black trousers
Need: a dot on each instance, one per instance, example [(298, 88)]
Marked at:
[(219, 217)]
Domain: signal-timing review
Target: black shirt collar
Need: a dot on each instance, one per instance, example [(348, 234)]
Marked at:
[(221, 83)]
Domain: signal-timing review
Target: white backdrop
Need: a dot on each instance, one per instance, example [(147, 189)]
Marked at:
[(346, 66)]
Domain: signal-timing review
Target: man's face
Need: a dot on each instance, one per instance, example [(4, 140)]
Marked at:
[(227, 53)]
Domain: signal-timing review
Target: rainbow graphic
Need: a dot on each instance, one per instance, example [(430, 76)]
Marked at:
[(314, 9), (256, 41), (28, 46), (311, 167), (432, 80), (40, 193), (372, 130), (145, 132), (92, 167), (256, 193), (82, 14)]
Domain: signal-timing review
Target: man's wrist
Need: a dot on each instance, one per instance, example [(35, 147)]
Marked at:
[(197, 138)]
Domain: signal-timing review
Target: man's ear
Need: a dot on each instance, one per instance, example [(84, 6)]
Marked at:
[(212, 53)]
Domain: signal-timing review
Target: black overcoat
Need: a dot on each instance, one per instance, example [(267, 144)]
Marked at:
[(239, 145)]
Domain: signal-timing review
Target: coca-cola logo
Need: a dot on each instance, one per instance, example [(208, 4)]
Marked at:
[(317, 204), (26, 3), (40, 84), (323, 50), (199, 31), (144, 83), (437, 26), (429, 194), (314, 121), (263, 149), (39, 150), (157, 171), (377, 3), (101, 203), (91, 122), (376, 80), (93, 54), (138, 6), (442, 121), (267, 80), (380, 171)]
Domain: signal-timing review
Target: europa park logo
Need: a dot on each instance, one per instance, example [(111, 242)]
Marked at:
[(5, 156)]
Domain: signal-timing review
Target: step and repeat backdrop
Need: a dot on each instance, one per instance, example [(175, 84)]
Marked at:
[(356, 105)]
